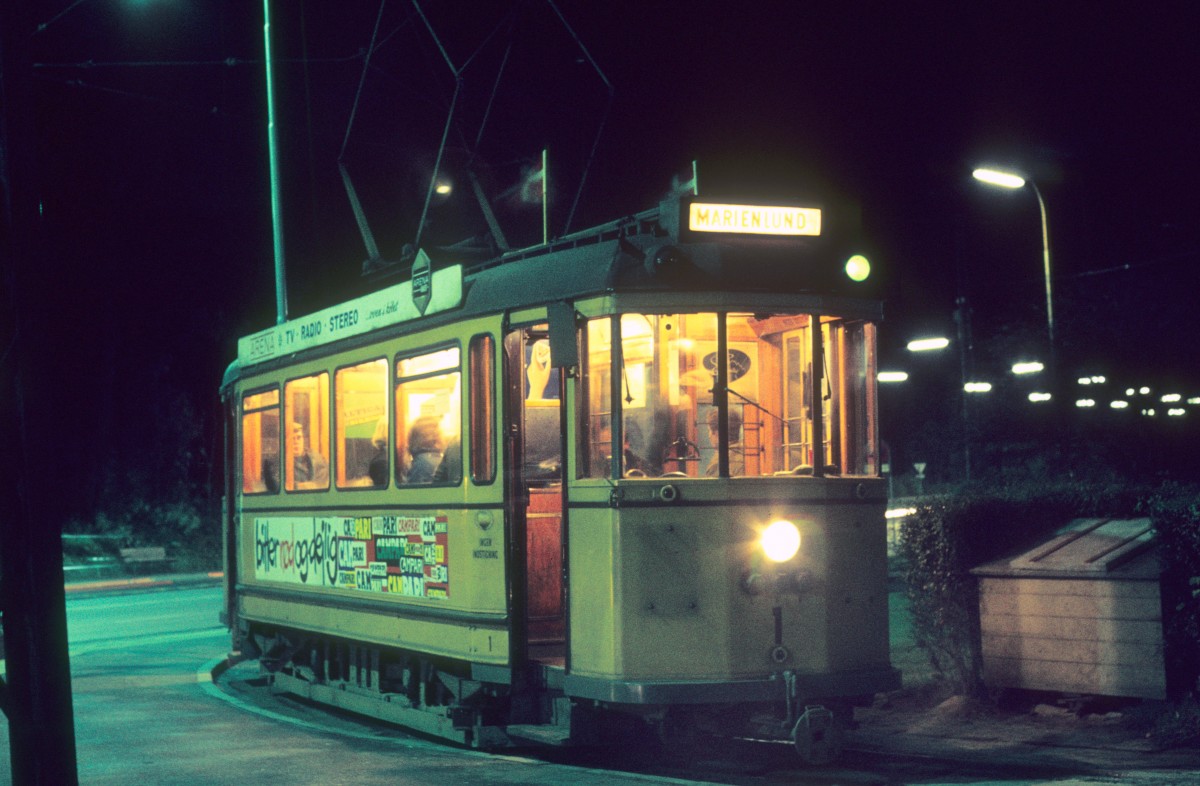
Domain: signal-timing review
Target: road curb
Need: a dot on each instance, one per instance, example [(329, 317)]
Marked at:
[(145, 582)]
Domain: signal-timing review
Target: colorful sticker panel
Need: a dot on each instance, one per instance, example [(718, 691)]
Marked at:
[(404, 555)]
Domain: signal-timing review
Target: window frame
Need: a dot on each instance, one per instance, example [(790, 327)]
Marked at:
[(396, 381), (286, 418), (242, 412), (336, 448), (481, 409)]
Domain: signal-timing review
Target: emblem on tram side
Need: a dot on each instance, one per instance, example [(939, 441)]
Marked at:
[(422, 281)]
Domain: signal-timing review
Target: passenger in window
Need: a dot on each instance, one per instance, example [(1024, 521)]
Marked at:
[(426, 446), (737, 457), (377, 469), (308, 466), (270, 475), (450, 468)]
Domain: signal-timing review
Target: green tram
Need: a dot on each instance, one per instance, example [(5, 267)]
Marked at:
[(627, 478)]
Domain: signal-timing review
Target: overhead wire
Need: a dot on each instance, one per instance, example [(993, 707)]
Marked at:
[(603, 120), (362, 79)]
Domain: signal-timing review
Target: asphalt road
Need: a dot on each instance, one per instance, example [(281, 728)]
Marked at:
[(147, 712)]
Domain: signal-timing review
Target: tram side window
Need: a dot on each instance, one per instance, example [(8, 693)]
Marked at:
[(361, 418), (306, 463), (483, 408), (260, 442), (428, 418)]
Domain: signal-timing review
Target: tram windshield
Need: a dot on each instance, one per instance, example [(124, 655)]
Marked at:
[(795, 395)]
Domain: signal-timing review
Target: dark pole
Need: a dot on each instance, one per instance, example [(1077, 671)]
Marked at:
[(962, 317), (37, 694)]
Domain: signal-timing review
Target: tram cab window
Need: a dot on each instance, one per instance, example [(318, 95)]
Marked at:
[(361, 424), (801, 381), (428, 417), (852, 435), (260, 442), (789, 399), (664, 390), (594, 441), (306, 460)]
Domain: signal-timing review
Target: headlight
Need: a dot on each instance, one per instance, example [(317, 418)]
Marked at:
[(780, 541)]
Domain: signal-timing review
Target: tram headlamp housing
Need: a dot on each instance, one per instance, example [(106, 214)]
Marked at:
[(780, 540)]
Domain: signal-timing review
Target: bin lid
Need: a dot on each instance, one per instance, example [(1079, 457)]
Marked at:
[(1086, 548)]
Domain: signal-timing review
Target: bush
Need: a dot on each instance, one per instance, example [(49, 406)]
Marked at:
[(1174, 510), (950, 535), (189, 529)]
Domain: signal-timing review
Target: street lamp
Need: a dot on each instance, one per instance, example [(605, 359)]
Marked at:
[(995, 177), (931, 344)]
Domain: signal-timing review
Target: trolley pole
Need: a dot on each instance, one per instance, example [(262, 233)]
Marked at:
[(36, 692), (281, 308)]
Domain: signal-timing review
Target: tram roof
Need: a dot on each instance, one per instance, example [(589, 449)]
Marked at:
[(640, 256)]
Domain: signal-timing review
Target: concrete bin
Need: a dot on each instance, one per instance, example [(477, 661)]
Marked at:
[(1079, 613)]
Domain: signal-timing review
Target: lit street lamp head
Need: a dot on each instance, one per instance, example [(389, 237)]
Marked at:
[(997, 178), (931, 344)]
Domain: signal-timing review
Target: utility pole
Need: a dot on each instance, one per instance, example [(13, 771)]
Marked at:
[(37, 689)]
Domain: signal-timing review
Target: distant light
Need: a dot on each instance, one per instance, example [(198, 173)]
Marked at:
[(1176, 412), (858, 268), (1194, 400), (928, 344), (442, 188), (1085, 380), (892, 376), (1038, 396), (1170, 398), (1029, 367), (1099, 379), (1145, 391), (997, 178), (1119, 404), (899, 513), (1085, 402), (1148, 412), (978, 387), (1129, 391)]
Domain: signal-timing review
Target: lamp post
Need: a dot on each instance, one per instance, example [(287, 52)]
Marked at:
[(996, 177)]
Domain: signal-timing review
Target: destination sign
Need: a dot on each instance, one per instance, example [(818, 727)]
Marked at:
[(754, 219), (386, 307)]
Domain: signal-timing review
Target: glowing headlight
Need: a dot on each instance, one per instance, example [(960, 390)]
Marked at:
[(781, 541)]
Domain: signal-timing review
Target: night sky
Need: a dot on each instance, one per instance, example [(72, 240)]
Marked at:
[(154, 179)]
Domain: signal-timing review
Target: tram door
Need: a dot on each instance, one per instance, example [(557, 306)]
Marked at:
[(534, 444)]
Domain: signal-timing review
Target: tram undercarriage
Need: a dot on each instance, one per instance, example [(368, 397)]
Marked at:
[(438, 698)]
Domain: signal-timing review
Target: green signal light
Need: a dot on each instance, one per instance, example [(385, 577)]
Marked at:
[(858, 268)]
